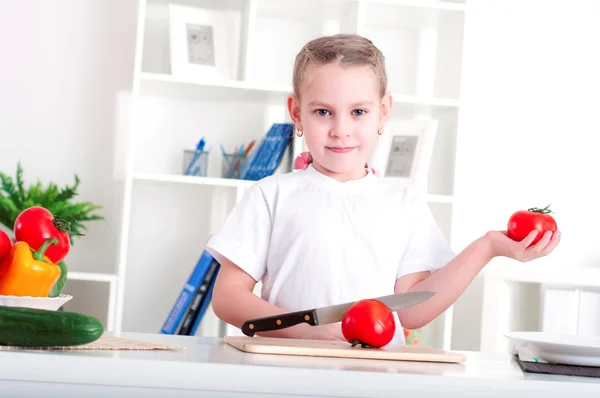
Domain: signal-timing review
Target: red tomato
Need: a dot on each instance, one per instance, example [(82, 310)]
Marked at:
[(35, 225), (369, 323), (5, 245), (522, 222)]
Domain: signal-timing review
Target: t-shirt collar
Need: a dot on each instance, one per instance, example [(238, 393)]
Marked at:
[(361, 184)]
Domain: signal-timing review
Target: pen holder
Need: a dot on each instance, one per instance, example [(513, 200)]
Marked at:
[(195, 162), (232, 162)]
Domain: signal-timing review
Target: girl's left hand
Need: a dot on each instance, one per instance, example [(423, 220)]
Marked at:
[(504, 246)]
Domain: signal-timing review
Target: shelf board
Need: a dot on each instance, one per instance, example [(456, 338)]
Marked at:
[(332, 9), (183, 179), (545, 273), (426, 101), (235, 183), (164, 85), (91, 276), (436, 5), (156, 84)]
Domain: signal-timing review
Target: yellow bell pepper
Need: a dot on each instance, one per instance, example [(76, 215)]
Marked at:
[(26, 272)]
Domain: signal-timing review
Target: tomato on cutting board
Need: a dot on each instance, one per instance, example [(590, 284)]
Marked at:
[(522, 222), (368, 323), (5, 245), (36, 224)]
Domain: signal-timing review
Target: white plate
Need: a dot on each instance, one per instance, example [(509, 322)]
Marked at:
[(43, 303), (568, 349)]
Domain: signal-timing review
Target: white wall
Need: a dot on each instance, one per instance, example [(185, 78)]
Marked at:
[(529, 132), (64, 65)]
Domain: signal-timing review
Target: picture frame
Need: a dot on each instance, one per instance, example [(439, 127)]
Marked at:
[(199, 43), (404, 150)]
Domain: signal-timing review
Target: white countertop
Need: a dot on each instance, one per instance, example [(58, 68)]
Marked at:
[(208, 365)]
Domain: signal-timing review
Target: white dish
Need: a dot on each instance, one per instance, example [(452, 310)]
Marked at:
[(567, 349), (43, 303)]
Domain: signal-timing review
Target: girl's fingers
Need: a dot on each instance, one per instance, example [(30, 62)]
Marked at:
[(529, 239), (542, 243), (552, 245)]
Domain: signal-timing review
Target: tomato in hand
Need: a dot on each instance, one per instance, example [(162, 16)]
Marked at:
[(37, 224), (522, 222), (5, 245), (368, 323)]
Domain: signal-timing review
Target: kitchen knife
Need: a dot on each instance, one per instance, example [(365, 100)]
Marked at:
[(329, 314)]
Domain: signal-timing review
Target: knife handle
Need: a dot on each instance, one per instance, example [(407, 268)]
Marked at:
[(281, 321)]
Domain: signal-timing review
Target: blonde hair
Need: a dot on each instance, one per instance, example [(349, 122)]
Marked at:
[(348, 49)]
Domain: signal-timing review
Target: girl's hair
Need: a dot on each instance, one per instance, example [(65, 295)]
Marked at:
[(348, 49)]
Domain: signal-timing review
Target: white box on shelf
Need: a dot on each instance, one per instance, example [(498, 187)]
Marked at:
[(589, 313), (560, 310)]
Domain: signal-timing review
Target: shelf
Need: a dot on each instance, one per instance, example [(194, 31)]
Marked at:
[(91, 276), (234, 183), (434, 5), (545, 274), (183, 179), (164, 85), (422, 41), (410, 13)]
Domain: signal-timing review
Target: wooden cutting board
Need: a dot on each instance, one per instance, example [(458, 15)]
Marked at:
[(340, 349)]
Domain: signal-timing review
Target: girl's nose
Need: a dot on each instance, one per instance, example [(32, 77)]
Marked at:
[(340, 128)]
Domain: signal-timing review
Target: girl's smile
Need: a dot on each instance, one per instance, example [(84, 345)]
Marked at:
[(338, 149)]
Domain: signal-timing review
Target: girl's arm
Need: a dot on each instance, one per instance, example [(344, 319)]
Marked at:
[(234, 302), (450, 281)]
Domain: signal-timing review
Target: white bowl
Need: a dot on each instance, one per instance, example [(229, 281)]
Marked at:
[(43, 303)]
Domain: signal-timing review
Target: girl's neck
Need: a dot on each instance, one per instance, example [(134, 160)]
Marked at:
[(356, 174)]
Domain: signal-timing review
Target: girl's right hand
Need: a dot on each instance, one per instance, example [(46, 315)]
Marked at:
[(332, 331)]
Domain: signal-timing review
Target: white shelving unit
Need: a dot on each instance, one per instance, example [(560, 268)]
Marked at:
[(168, 217), (562, 300)]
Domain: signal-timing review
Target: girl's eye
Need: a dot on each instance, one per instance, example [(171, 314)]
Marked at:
[(322, 112), (359, 112)]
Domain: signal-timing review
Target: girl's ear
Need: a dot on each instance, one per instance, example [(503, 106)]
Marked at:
[(386, 109), (293, 105)]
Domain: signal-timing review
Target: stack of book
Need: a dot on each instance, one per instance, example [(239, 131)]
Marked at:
[(190, 306)]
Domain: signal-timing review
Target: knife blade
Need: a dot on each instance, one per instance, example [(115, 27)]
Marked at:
[(329, 314)]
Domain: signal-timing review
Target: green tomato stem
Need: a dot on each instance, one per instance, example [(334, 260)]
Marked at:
[(545, 210)]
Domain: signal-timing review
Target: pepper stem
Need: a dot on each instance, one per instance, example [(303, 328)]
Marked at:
[(39, 253)]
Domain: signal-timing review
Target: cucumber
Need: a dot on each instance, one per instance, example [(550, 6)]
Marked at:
[(32, 327)]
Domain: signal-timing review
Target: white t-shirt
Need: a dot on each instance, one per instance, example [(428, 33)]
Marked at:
[(315, 241)]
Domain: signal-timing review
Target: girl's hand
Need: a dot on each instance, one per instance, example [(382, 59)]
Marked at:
[(502, 245), (332, 331)]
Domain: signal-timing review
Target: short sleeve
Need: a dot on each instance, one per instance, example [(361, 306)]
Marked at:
[(426, 249), (245, 235)]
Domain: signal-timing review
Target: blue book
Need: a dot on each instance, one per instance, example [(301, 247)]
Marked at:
[(205, 301), (269, 154), (187, 293), (189, 318)]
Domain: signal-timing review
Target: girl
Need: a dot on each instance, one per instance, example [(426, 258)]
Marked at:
[(334, 233)]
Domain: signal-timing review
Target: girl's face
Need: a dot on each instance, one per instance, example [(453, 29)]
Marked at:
[(340, 112)]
